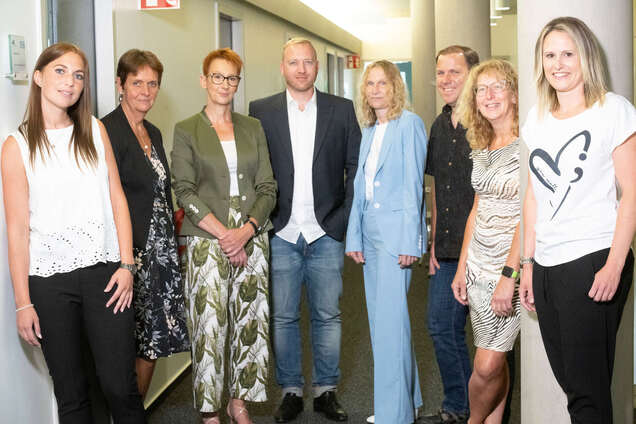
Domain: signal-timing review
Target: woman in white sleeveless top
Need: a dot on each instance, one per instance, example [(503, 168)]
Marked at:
[(68, 227)]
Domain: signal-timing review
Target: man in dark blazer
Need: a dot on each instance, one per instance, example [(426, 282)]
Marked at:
[(313, 141)]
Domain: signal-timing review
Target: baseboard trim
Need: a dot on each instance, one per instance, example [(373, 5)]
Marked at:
[(149, 401)]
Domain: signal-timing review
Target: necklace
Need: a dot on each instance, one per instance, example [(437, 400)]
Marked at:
[(140, 134)]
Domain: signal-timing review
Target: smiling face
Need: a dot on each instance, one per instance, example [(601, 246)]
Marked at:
[(562, 63), (61, 81), (378, 90), (451, 73), (494, 98), (299, 67), (220, 94), (140, 90)]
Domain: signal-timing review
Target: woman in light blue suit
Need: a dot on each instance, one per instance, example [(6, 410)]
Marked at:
[(386, 233)]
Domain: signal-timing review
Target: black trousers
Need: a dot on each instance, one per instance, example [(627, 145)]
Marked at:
[(579, 334), (73, 304)]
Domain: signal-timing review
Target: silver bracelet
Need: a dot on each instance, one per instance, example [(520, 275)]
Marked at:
[(30, 305), (528, 260)]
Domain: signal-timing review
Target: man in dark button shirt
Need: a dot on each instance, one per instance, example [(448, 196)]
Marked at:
[(452, 195)]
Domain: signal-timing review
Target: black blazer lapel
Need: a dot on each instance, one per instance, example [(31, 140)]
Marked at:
[(324, 115), (134, 149), (282, 125)]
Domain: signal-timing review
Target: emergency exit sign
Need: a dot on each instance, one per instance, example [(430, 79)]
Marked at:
[(158, 4)]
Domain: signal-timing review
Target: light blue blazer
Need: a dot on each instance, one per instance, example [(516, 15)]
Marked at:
[(398, 192)]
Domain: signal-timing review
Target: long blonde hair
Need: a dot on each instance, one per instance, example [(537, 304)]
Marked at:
[(398, 91), (32, 126), (592, 67), (480, 133)]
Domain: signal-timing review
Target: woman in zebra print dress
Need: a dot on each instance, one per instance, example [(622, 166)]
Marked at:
[(486, 278)]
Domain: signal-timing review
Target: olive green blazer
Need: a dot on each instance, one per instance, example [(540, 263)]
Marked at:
[(201, 179)]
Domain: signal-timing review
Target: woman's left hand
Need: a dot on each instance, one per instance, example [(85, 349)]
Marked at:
[(124, 293), (605, 283), (240, 259), (233, 240), (406, 261), (501, 301)]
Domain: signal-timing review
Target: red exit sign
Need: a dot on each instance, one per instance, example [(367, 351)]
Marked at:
[(158, 4)]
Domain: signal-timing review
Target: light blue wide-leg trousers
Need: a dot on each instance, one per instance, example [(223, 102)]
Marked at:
[(396, 382)]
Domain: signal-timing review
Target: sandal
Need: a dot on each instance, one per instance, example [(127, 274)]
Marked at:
[(242, 410)]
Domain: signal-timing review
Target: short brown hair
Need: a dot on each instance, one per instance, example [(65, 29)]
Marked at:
[(134, 59), (225, 54), (470, 55)]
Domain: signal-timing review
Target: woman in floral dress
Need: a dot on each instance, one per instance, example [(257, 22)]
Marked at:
[(158, 301)]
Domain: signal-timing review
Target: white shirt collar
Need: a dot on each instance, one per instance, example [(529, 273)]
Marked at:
[(291, 102)]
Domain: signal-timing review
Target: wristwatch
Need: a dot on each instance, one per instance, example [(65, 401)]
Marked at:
[(509, 272), (130, 267)]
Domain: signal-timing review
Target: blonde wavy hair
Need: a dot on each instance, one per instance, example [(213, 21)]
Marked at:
[(480, 133), (592, 67), (398, 93)]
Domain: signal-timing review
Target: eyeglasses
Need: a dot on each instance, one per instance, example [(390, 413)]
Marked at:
[(232, 80), (495, 88)]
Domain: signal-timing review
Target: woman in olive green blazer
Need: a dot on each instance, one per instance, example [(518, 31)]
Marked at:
[(223, 179)]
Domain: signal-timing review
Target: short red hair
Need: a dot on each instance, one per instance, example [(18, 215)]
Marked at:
[(225, 54)]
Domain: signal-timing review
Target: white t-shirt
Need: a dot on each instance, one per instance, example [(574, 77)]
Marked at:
[(71, 222), (229, 149), (371, 164), (573, 177)]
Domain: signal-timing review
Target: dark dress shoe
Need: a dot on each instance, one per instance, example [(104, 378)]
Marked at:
[(289, 409), (328, 404)]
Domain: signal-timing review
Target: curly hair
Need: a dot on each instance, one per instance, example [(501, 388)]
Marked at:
[(480, 133), (398, 93), (592, 66)]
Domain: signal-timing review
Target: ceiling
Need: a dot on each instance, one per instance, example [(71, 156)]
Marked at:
[(360, 16)]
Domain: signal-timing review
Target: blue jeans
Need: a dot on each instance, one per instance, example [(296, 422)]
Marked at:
[(446, 325), (319, 266)]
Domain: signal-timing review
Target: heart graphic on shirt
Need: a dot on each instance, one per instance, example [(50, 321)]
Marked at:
[(559, 181)]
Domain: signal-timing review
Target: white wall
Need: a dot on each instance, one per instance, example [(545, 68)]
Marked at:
[(393, 41), (26, 394)]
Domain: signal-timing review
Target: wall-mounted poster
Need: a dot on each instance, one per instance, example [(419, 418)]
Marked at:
[(158, 4)]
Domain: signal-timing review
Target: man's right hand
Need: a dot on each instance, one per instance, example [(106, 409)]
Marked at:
[(357, 257), (433, 265)]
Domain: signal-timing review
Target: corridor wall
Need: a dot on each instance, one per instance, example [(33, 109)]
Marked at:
[(26, 392)]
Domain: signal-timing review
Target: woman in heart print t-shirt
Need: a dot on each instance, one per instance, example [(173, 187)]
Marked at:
[(577, 264)]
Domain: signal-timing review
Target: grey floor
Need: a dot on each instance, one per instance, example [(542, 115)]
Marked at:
[(355, 391)]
